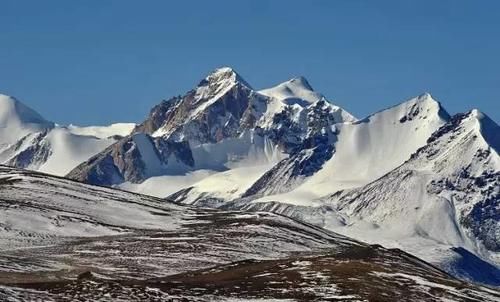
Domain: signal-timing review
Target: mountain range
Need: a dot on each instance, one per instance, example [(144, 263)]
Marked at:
[(412, 176)]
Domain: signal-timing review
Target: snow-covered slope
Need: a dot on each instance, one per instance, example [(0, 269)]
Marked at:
[(289, 150), (376, 182), (442, 204), (448, 191), (27, 140), (363, 151), (64, 241), (409, 176), (17, 120), (355, 154)]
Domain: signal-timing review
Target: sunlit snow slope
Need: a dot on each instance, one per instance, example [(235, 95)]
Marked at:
[(440, 204), (27, 140)]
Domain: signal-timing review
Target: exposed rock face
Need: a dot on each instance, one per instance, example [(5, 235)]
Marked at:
[(157, 116), (34, 155), (123, 161)]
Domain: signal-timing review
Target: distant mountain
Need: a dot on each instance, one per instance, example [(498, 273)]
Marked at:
[(27, 140), (62, 241)]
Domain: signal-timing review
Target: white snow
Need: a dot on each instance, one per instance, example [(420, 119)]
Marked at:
[(69, 150), (299, 95), (121, 129), (227, 185), (221, 81), (368, 149), (51, 207), (66, 146), (225, 169), (295, 89), (162, 186), (18, 120), (398, 208)]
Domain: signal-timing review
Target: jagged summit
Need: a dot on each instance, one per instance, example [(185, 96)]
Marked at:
[(425, 95), (298, 93), (474, 122), (224, 76), (221, 121), (488, 128)]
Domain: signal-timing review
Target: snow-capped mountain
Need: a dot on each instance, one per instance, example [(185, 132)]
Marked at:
[(441, 204), (223, 123), (363, 151), (27, 140), (359, 152), (63, 241), (288, 150)]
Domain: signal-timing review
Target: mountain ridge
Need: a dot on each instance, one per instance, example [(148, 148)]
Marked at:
[(30, 141), (223, 110)]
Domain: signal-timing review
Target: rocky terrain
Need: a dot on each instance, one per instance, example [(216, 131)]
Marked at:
[(66, 241)]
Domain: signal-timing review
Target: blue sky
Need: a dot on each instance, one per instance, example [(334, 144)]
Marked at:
[(101, 61)]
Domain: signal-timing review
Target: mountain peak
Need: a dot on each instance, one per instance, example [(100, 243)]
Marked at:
[(423, 107), (224, 75), (224, 69), (425, 96), (300, 82), (424, 100), (478, 114), (424, 104), (14, 113), (295, 88)]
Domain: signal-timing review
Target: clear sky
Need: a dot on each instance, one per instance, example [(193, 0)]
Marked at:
[(101, 61)]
